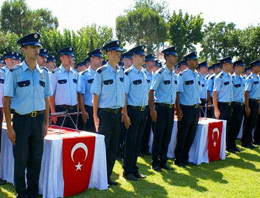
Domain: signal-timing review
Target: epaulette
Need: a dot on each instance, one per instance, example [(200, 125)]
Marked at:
[(84, 72), (15, 67), (2, 69), (56, 69), (128, 71), (161, 70), (220, 75), (42, 67), (99, 70), (212, 77)]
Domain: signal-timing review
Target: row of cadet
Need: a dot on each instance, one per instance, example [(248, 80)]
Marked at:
[(124, 103)]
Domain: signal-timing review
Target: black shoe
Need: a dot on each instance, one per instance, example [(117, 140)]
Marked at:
[(110, 182), (157, 168), (166, 167), (257, 143), (2, 182), (230, 150), (190, 163), (180, 164), (251, 146), (141, 155), (130, 177), (139, 175), (238, 149)]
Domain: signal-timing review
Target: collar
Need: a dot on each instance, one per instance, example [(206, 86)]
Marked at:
[(111, 69), (134, 69), (25, 66), (62, 69)]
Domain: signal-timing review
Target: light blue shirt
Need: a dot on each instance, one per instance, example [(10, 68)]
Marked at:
[(65, 85), (189, 87), (108, 84), (2, 81), (149, 77), (136, 87), (252, 85), (164, 84), (86, 79), (203, 83), (223, 85), (238, 88), (28, 88), (210, 83)]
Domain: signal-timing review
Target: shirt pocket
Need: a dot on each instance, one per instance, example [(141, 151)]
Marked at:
[(256, 82), (42, 83), (189, 82), (24, 83), (90, 80), (166, 82), (226, 83), (108, 82), (62, 81), (75, 80), (121, 79), (2, 81), (137, 82), (237, 85)]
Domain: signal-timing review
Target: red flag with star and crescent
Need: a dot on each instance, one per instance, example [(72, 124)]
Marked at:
[(214, 140), (77, 155)]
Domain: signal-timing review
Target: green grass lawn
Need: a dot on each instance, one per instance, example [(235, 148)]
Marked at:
[(237, 176)]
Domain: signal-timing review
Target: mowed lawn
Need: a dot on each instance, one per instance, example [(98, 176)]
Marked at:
[(237, 176)]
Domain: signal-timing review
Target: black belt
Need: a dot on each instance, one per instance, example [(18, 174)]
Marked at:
[(255, 100), (140, 108), (67, 106), (238, 103), (226, 103), (165, 105), (111, 110), (193, 106), (33, 114)]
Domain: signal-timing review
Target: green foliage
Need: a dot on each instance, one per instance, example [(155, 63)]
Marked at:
[(185, 31), (8, 42)]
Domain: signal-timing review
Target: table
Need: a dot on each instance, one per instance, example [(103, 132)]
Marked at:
[(199, 150), (51, 183)]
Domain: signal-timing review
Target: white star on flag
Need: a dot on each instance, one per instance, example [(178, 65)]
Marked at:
[(78, 166)]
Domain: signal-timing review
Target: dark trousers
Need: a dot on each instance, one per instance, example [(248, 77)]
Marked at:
[(250, 123), (235, 122), (133, 140), (109, 126), (225, 114), (257, 131), (162, 134), (147, 132), (121, 145), (89, 125), (67, 123), (27, 152), (186, 132), (202, 110)]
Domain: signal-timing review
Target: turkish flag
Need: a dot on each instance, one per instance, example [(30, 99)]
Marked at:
[(214, 140), (77, 156)]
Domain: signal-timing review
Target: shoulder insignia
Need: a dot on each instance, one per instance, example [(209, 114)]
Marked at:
[(212, 77), (42, 67), (161, 70), (15, 67), (99, 70), (128, 71), (2, 69)]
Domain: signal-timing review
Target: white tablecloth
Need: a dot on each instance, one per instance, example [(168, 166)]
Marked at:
[(199, 150), (51, 184)]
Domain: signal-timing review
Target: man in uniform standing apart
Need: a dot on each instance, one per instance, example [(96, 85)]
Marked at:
[(252, 100), (162, 97), (136, 89), (27, 90), (108, 100), (237, 104), (223, 96), (85, 97), (187, 104), (64, 87)]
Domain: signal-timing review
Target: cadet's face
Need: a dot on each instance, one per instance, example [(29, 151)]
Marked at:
[(66, 60), (172, 59), (150, 65), (203, 70), (229, 66), (51, 65), (138, 59), (114, 56), (127, 62), (42, 60), (96, 61), (239, 69), (193, 63), (31, 52), (9, 62)]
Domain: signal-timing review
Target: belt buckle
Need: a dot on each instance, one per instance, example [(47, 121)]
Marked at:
[(70, 107), (229, 103), (196, 106), (142, 108), (170, 106), (33, 114)]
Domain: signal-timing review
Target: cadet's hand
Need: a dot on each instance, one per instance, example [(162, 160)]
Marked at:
[(54, 119), (96, 122), (153, 114), (217, 113), (85, 116), (248, 111), (209, 103), (11, 135), (127, 120), (179, 114)]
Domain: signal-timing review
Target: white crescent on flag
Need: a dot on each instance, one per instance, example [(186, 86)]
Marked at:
[(77, 146), (215, 130)]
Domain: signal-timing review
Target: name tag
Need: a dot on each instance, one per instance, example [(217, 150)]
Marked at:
[(256, 82), (166, 82), (237, 85), (226, 83), (189, 82), (75, 80), (122, 79), (137, 82), (63, 81), (23, 83), (108, 82), (90, 80), (2, 81)]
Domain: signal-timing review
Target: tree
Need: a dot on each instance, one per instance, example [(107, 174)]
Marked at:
[(185, 31), (142, 26), (16, 17), (8, 42)]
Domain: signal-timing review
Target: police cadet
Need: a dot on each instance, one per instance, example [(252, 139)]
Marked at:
[(223, 96), (162, 96), (64, 86), (149, 62), (9, 59), (203, 70), (136, 89), (18, 58), (187, 104), (26, 92), (51, 63), (2, 81), (252, 100), (42, 58), (86, 81), (127, 60), (109, 97), (237, 104), (183, 65)]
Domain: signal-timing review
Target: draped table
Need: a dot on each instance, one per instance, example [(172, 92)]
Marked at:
[(199, 150), (51, 183)]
